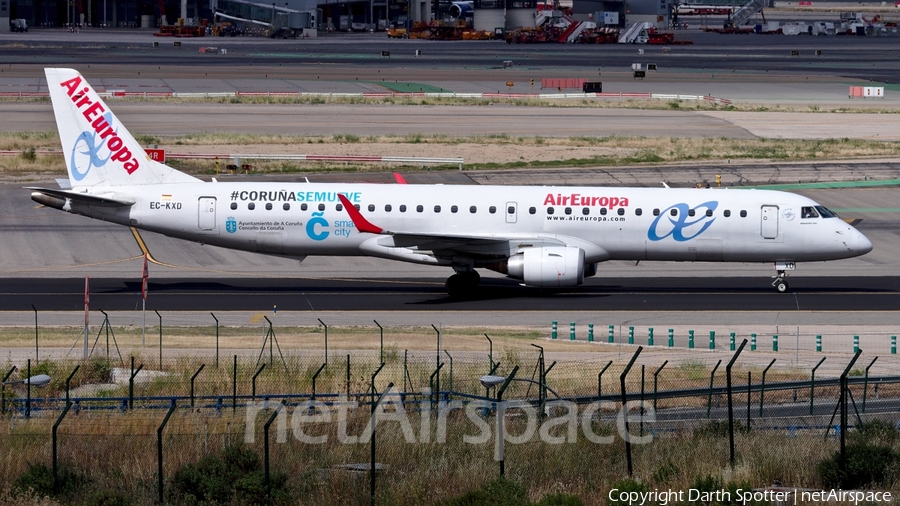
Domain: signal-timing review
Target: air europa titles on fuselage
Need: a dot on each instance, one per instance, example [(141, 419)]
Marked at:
[(93, 111), (577, 199), (290, 196)]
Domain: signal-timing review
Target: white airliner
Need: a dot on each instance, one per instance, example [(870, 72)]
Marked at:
[(544, 236)]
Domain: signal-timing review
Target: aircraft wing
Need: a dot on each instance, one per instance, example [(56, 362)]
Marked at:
[(106, 200), (439, 248)]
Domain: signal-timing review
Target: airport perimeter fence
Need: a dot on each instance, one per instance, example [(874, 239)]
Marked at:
[(100, 415)]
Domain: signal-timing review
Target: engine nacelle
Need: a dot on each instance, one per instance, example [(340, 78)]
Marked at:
[(552, 266), (461, 10)]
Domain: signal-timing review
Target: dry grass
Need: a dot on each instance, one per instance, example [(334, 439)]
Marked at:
[(40, 151)]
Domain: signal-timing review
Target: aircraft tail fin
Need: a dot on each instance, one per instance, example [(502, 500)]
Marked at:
[(98, 149)]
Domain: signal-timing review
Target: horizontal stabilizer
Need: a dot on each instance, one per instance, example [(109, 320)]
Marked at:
[(107, 200)]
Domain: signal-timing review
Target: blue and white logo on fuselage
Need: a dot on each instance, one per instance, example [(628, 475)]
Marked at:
[(682, 227), (317, 221), (231, 225)]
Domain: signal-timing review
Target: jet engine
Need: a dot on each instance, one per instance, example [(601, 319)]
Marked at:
[(550, 266), (461, 10)]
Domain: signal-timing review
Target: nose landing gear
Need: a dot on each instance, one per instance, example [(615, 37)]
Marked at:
[(779, 283)]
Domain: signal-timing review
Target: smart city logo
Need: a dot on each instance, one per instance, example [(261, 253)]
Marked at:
[(231, 225), (682, 227), (317, 221)]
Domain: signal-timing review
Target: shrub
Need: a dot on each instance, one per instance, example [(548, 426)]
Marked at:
[(235, 474), (560, 500), (500, 492), (866, 465), (38, 479)]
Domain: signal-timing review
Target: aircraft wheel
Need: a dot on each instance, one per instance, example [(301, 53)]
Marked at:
[(781, 285), (462, 284)]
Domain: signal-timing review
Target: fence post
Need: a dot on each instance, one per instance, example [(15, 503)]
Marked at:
[(691, 339), (712, 377), (630, 335), (671, 338), (730, 399), (326, 339), (260, 370), (762, 386), (28, 392), (380, 340), (655, 378), (866, 384), (774, 342), (843, 405), (731, 342), (234, 386), (159, 451), (600, 385), (650, 337), (316, 375), (348, 372), (217, 339), (3, 390), (268, 481), (134, 373), (590, 332), (450, 388), (712, 339), (612, 333), (819, 342), (571, 331), (37, 357), (749, 392), (752, 342), (55, 427), (553, 330), (160, 338), (625, 403), (812, 385), (855, 344), (194, 377), (68, 380)]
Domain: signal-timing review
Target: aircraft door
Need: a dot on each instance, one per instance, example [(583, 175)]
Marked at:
[(769, 223), (511, 212), (206, 219)]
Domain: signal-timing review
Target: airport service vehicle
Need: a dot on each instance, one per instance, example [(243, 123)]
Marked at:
[(549, 237)]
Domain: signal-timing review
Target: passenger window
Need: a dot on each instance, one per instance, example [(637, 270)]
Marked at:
[(656, 212), (437, 209), (304, 207), (674, 212), (268, 206), (387, 208), (691, 212), (473, 209), (603, 211), (585, 211), (251, 206), (638, 212), (402, 208), (549, 210), (453, 209), (419, 208), (339, 207), (233, 206), (286, 206), (492, 209), (371, 208), (321, 207), (743, 214), (621, 211), (808, 212), (510, 210), (356, 206), (727, 213), (708, 213), (568, 210), (532, 210)]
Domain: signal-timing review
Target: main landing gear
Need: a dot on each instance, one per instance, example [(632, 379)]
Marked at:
[(463, 284), (780, 284)]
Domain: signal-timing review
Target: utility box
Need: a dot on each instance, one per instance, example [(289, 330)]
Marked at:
[(592, 87)]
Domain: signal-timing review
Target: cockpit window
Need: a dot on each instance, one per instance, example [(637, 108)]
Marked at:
[(808, 212), (825, 212)]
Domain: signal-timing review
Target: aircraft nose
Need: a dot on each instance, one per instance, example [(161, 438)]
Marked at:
[(861, 243)]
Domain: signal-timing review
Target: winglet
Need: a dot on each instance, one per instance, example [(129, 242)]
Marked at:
[(359, 221), (399, 178)]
